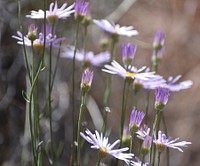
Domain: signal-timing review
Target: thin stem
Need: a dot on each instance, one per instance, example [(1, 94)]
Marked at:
[(165, 130), (73, 92), (50, 100), (107, 92), (85, 41), (98, 160), (147, 106), (155, 128), (158, 158), (123, 112), (79, 126)]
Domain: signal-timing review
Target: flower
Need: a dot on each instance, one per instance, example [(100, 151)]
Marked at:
[(146, 145), (131, 73), (82, 9), (162, 142), (143, 132), (87, 78), (113, 28), (136, 120), (173, 86), (128, 53), (159, 40), (54, 13), (38, 42), (101, 143), (88, 57), (32, 32), (138, 163), (162, 96)]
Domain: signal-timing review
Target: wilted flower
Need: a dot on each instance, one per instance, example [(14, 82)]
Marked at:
[(162, 96), (173, 86), (163, 141), (135, 120), (115, 29), (88, 58), (54, 13), (128, 53), (101, 143), (87, 78), (131, 73)]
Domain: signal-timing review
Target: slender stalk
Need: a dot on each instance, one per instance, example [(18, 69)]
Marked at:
[(132, 142), (73, 92), (98, 161), (50, 100), (147, 106), (123, 112), (155, 128), (79, 125), (107, 92), (85, 40), (158, 158)]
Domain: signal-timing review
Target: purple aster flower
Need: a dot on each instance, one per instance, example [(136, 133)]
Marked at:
[(163, 141), (32, 32), (87, 78), (82, 8), (162, 96), (101, 143), (135, 120), (143, 131), (159, 40), (153, 83), (54, 13), (88, 57), (173, 86), (38, 43), (115, 29), (131, 73), (128, 53), (138, 162)]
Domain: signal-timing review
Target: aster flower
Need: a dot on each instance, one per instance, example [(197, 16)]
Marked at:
[(146, 145), (101, 143), (54, 13), (162, 96), (131, 73), (136, 120), (82, 9), (87, 78), (143, 132), (163, 141), (128, 53), (173, 86), (88, 57), (159, 40), (138, 163), (38, 43), (115, 29)]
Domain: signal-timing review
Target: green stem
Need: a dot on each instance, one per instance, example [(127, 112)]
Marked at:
[(155, 129), (98, 161), (73, 92), (79, 125), (50, 99), (147, 106), (107, 92), (158, 158)]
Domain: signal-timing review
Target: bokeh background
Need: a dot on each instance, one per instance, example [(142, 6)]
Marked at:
[(179, 19)]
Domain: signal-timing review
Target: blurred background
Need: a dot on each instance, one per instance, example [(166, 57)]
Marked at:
[(179, 19)]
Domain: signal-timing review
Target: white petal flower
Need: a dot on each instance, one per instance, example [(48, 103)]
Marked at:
[(113, 28), (101, 143)]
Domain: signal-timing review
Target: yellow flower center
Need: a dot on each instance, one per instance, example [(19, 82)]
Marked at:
[(130, 74), (104, 151)]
